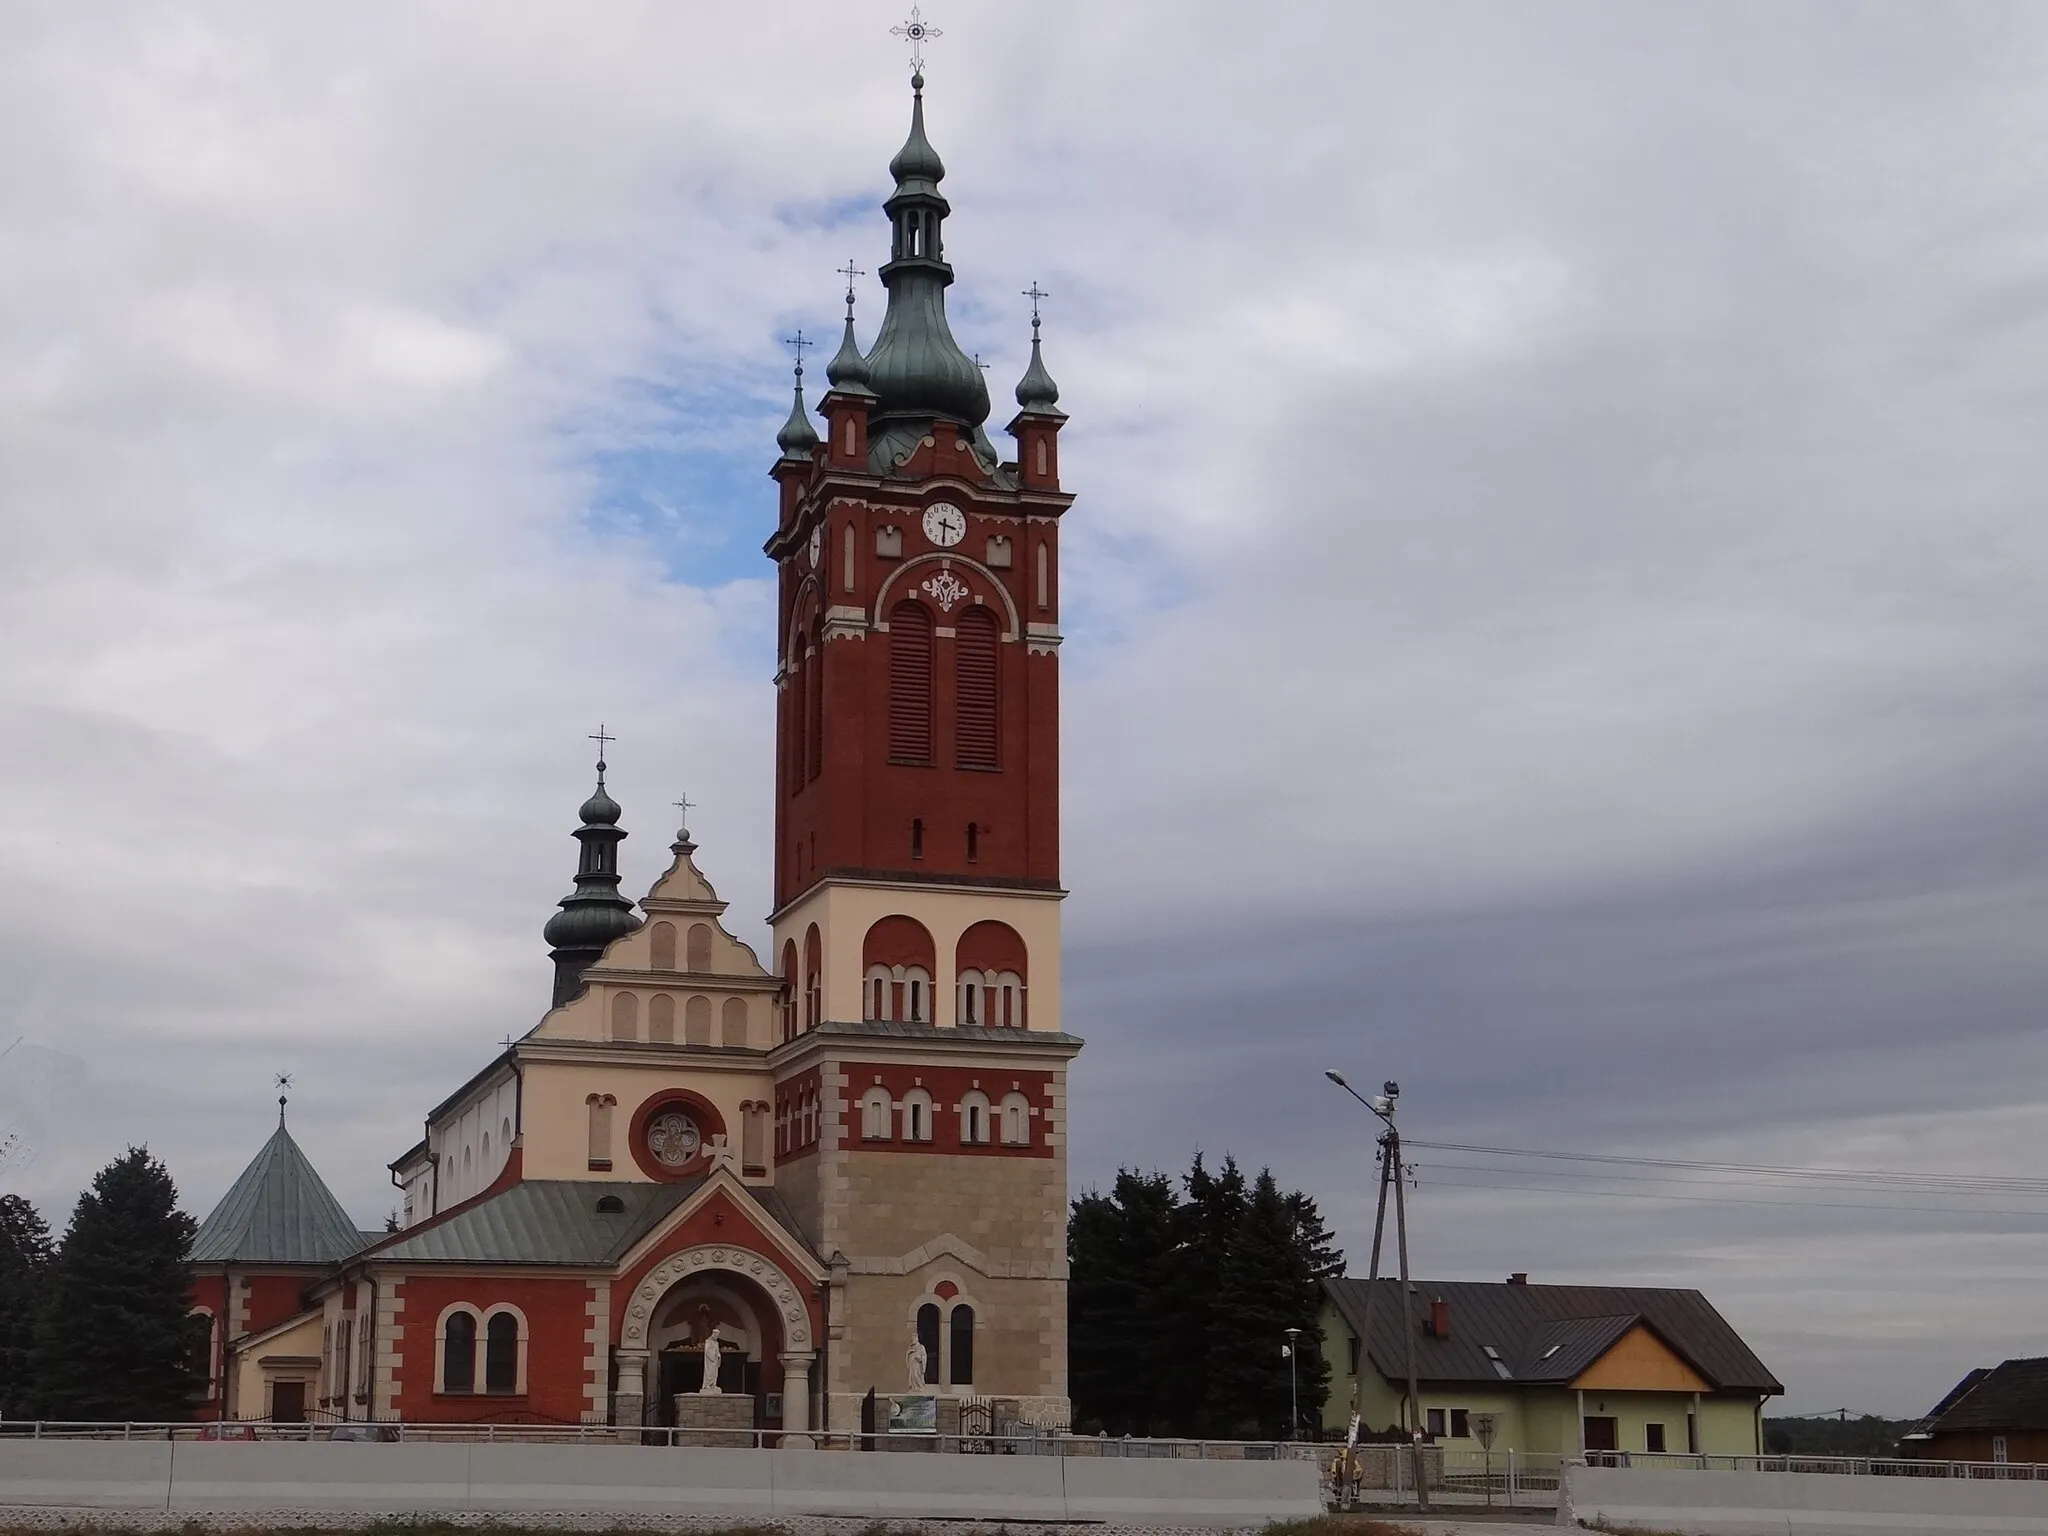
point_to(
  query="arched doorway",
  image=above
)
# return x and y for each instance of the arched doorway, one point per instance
(765, 1331)
(749, 1336)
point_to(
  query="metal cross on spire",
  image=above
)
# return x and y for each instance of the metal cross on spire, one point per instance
(602, 741)
(685, 805)
(1034, 293)
(850, 272)
(916, 32)
(799, 342)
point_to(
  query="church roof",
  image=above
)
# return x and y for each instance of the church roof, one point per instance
(557, 1221)
(278, 1212)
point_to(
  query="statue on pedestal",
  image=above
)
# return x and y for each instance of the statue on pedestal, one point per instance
(915, 1359)
(711, 1353)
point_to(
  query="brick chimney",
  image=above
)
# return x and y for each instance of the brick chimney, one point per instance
(1440, 1318)
(1519, 1277)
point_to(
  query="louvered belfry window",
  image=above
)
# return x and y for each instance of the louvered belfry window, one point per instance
(910, 684)
(975, 679)
(814, 698)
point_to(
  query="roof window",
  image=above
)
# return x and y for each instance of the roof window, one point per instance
(610, 1205)
(1500, 1366)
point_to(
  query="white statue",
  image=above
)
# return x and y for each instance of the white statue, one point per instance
(914, 1358)
(711, 1349)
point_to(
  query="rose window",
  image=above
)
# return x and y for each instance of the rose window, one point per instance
(673, 1138)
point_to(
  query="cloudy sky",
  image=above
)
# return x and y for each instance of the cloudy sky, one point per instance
(1557, 609)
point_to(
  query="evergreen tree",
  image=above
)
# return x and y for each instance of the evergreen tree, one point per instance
(26, 1255)
(1207, 1228)
(1120, 1250)
(114, 1342)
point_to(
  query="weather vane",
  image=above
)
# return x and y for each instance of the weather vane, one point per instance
(602, 741)
(284, 1085)
(1034, 293)
(850, 272)
(916, 32)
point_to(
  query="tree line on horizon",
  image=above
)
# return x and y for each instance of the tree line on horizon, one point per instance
(97, 1325)
(1180, 1295)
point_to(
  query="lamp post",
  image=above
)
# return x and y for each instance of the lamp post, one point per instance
(1293, 1391)
(1382, 1105)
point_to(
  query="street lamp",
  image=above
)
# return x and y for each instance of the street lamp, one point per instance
(1293, 1393)
(1382, 1105)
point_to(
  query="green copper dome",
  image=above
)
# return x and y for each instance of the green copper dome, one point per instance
(594, 913)
(916, 368)
(847, 373)
(797, 437)
(1036, 390)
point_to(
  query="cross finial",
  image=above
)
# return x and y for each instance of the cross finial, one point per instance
(602, 741)
(284, 1084)
(685, 805)
(916, 32)
(800, 343)
(1034, 293)
(850, 272)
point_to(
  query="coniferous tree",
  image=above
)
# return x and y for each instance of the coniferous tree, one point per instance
(114, 1342)
(1120, 1251)
(1208, 1223)
(26, 1255)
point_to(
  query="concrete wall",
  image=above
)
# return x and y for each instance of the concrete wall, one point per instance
(1774, 1503)
(156, 1483)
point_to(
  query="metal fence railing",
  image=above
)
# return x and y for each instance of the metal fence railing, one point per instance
(1841, 1466)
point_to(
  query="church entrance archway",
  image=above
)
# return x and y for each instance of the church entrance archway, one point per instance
(750, 1342)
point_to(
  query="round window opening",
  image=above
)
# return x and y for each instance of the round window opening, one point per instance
(673, 1138)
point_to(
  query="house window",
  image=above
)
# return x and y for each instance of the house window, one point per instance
(1998, 1451)
(458, 1353)
(501, 1353)
(1461, 1424)
(1692, 1433)
(1437, 1428)
(1653, 1439)
(961, 1371)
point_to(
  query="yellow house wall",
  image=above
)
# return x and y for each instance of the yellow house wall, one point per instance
(251, 1399)
(845, 912)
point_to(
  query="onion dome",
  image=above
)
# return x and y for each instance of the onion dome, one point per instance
(594, 913)
(796, 440)
(848, 371)
(1036, 391)
(916, 368)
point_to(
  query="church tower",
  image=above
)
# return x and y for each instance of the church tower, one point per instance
(917, 879)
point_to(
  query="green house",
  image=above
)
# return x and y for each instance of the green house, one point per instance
(1563, 1369)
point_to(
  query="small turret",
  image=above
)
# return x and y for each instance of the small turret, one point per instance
(594, 913)
(798, 438)
(1039, 417)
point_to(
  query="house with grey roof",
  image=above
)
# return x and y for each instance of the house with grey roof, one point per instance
(1565, 1369)
(1996, 1414)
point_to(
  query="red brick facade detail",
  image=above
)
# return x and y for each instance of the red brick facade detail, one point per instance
(799, 1117)
(949, 1087)
(557, 1355)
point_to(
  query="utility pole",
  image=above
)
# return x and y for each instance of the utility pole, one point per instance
(1382, 1104)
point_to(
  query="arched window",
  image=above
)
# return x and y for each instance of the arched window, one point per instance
(661, 946)
(874, 1114)
(199, 1346)
(458, 1353)
(917, 1115)
(1044, 571)
(974, 690)
(487, 1154)
(814, 978)
(897, 960)
(799, 714)
(697, 1021)
(789, 990)
(625, 1016)
(1041, 456)
(661, 1018)
(754, 1138)
(910, 684)
(846, 560)
(928, 1336)
(814, 695)
(974, 1119)
(917, 837)
(875, 1001)
(1016, 1120)
(501, 1353)
(962, 1361)
(735, 1021)
(916, 989)
(697, 950)
(992, 955)
(600, 1106)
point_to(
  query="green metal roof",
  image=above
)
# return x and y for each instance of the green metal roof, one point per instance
(556, 1221)
(278, 1212)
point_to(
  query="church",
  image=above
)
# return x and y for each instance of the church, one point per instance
(712, 1191)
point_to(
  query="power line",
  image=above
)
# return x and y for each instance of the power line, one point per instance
(1790, 1205)
(1908, 1183)
(1932, 1180)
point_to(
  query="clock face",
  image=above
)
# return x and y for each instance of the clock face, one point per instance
(944, 524)
(817, 543)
